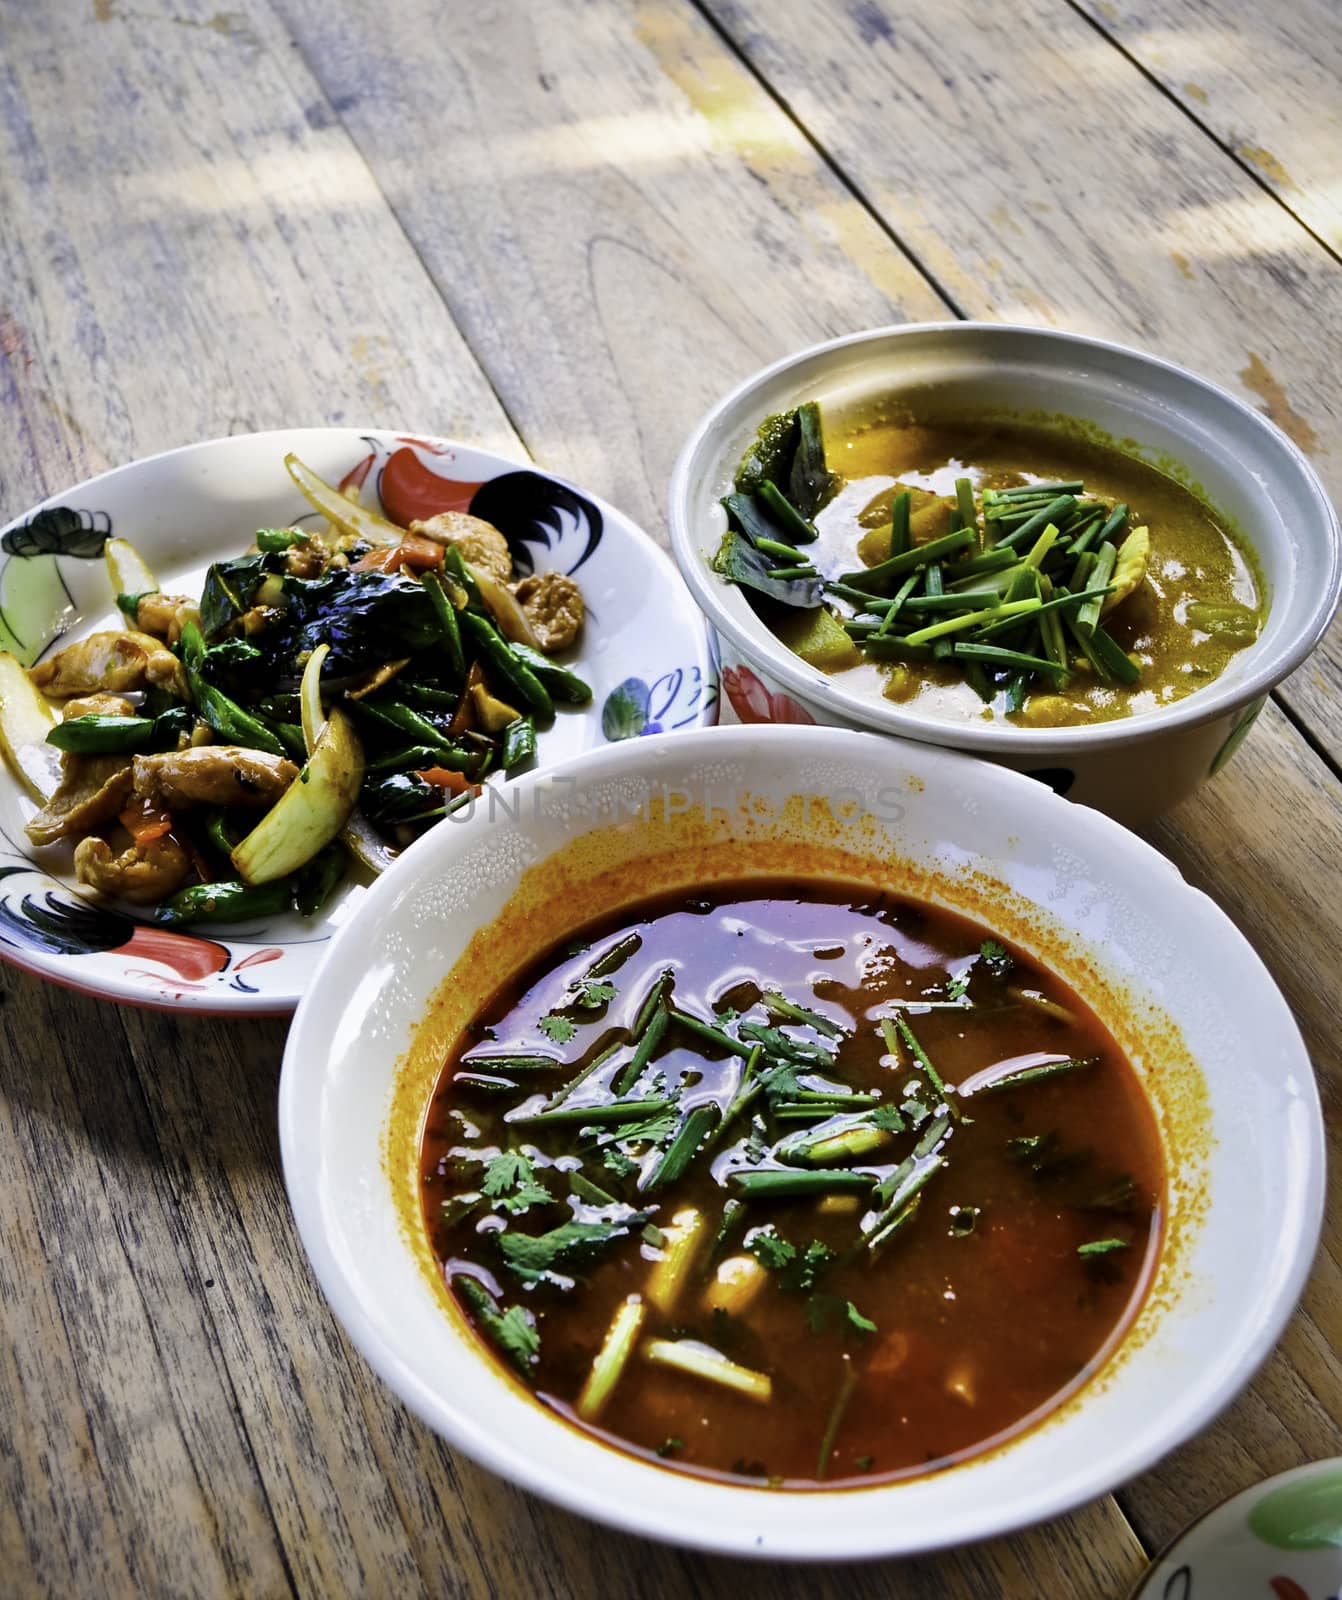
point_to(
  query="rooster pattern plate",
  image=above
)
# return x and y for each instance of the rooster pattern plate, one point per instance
(645, 651)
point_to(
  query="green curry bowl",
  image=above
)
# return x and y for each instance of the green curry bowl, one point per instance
(1069, 558)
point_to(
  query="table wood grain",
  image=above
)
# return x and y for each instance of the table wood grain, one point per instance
(561, 230)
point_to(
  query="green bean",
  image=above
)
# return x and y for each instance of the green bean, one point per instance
(224, 902)
(563, 685)
(315, 883)
(455, 563)
(95, 735)
(409, 758)
(519, 744)
(514, 673)
(447, 621)
(270, 540)
(221, 833)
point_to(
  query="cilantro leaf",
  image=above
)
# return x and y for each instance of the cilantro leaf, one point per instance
(536, 1258)
(831, 1313)
(995, 958)
(770, 1249)
(614, 1160)
(814, 1261)
(513, 1332)
(887, 1119)
(856, 1321)
(511, 1182)
(591, 993)
(781, 1081)
(560, 1029)
(798, 1270)
(958, 987)
(670, 1444)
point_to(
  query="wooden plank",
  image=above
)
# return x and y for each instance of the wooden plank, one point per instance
(1040, 177)
(118, 1427)
(196, 249)
(1263, 841)
(620, 219)
(1264, 79)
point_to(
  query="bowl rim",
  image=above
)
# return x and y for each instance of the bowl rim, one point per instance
(301, 1086)
(1203, 705)
(61, 968)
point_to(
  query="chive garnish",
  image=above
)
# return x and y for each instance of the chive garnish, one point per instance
(775, 1183)
(1040, 1074)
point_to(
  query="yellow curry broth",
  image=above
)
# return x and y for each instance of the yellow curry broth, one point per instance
(1193, 559)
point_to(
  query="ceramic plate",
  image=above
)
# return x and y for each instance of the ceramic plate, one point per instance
(645, 651)
(1279, 1540)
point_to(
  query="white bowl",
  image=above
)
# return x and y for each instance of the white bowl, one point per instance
(645, 651)
(1182, 991)
(1248, 470)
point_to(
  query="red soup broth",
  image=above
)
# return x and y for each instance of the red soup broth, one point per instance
(793, 1183)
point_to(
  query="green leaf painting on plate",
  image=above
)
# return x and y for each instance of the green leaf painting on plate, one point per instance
(35, 604)
(1303, 1515)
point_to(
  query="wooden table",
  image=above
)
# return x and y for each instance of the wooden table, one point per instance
(562, 229)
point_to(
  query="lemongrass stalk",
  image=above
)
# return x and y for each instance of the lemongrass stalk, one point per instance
(702, 1361)
(611, 1360)
(667, 1278)
(734, 1285)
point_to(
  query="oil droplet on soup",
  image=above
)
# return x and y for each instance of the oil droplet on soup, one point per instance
(793, 1183)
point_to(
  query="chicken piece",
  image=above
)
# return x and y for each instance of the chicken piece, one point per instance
(305, 560)
(212, 775)
(141, 874)
(93, 790)
(110, 661)
(165, 615)
(98, 705)
(481, 544)
(554, 608)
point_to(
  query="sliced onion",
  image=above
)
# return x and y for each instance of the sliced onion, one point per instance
(310, 697)
(513, 622)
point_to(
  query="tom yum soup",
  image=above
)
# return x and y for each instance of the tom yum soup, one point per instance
(986, 569)
(788, 1183)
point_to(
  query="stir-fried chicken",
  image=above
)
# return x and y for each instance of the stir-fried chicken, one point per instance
(110, 661)
(554, 608)
(165, 615)
(213, 775)
(481, 544)
(93, 790)
(143, 873)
